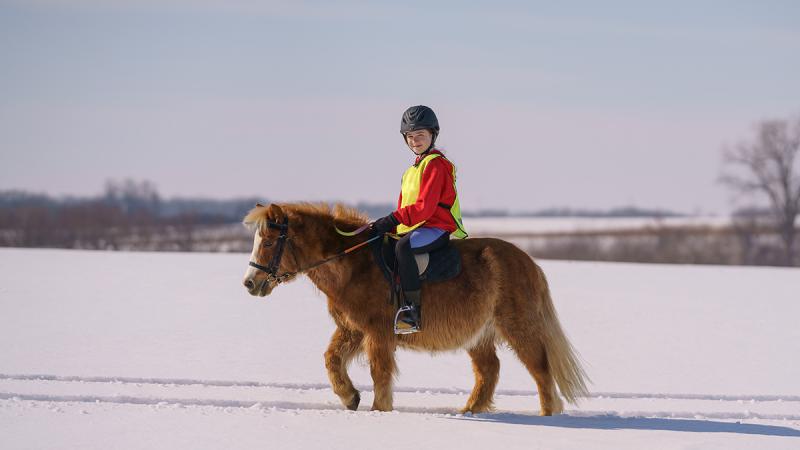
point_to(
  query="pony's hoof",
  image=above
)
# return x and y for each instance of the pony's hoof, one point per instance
(353, 405)
(476, 410)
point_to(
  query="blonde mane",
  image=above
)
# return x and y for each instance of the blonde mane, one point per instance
(340, 214)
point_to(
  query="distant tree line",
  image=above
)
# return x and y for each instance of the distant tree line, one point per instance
(128, 215)
(620, 212)
(749, 239)
(764, 174)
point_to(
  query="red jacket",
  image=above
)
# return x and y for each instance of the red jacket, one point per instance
(437, 187)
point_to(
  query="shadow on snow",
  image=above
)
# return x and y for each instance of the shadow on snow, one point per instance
(611, 422)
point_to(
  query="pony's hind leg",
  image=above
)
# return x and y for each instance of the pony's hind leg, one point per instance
(487, 368)
(531, 351)
(345, 344)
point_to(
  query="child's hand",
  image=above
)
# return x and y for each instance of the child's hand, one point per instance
(384, 224)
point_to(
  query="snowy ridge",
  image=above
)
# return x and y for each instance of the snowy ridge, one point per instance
(186, 402)
(155, 401)
(319, 397)
(286, 405)
(367, 388)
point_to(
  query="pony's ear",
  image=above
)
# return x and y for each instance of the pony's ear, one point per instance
(275, 212)
(259, 205)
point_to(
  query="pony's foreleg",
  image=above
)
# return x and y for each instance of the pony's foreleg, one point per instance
(487, 368)
(345, 344)
(380, 351)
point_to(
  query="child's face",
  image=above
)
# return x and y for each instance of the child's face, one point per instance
(419, 141)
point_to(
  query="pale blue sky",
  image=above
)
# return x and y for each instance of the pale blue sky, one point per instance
(582, 104)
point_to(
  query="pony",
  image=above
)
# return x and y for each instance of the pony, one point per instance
(500, 296)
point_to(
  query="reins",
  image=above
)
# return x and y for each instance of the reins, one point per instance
(272, 268)
(351, 233)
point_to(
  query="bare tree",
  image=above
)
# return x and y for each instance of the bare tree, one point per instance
(768, 165)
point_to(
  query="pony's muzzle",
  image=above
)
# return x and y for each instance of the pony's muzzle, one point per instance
(256, 288)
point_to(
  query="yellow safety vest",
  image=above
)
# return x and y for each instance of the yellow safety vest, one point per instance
(412, 179)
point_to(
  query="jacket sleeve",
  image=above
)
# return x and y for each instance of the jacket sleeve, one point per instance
(434, 179)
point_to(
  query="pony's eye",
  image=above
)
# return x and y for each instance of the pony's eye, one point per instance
(267, 244)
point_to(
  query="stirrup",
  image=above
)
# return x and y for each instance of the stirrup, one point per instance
(404, 328)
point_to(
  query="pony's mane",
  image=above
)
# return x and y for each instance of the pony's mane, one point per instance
(339, 213)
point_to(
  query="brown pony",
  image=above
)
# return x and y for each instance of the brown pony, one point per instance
(501, 295)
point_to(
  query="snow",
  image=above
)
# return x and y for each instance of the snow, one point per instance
(151, 350)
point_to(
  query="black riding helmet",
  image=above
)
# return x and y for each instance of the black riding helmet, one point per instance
(420, 117)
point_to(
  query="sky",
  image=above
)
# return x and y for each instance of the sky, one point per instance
(574, 104)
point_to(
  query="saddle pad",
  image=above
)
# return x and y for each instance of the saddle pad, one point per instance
(443, 263)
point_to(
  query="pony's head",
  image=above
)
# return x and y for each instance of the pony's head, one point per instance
(291, 236)
(270, 225)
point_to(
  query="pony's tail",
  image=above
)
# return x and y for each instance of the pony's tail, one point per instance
(562, 358)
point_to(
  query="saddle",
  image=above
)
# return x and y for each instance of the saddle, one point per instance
(441, 264)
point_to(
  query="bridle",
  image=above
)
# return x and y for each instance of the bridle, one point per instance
(271, 269)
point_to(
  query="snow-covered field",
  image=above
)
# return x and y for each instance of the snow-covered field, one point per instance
(148, 350)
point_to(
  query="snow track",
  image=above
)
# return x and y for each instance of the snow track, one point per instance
(318, 386)
(185, 392)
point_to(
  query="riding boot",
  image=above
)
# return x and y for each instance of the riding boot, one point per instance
(409, 318)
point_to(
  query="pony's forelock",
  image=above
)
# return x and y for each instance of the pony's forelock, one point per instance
(256, 219)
